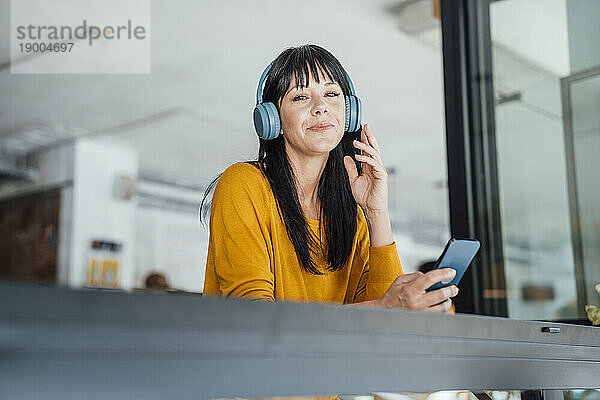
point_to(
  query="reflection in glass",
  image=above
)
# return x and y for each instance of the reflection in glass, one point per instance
(584, 103)
(452, 395)
(540, 274)
(582, 394)
(532, 53)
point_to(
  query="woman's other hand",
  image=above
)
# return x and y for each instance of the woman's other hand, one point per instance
(408, 291)
(370, 190)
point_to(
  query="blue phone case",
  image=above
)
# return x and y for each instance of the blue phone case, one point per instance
(457, 255)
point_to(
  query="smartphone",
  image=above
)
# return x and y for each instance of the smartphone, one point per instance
(457, 255)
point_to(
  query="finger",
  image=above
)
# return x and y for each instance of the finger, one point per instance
(367, 149)
(405, 278)
(371, 137)
(363, 136)
(350, 168)
(377, 166)
(440, 295)
(437, 275)
(442, 307)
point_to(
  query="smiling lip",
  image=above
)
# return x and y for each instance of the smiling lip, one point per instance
(320, 127)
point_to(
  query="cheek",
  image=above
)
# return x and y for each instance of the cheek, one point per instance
(297, 116)
(340, 109)
(287, 117)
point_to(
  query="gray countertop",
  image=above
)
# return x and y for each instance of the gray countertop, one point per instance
(73, 344)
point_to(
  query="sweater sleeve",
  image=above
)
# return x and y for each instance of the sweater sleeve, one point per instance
(239, 237)
(380, 267)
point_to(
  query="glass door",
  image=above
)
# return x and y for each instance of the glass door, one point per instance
(522, 95)
(547, 147)
(581, 105)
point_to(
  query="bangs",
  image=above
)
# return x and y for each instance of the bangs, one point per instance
(314, 67)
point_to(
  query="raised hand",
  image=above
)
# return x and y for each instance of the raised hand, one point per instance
(370, 190)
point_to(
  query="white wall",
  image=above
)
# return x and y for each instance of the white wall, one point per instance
(90, 210)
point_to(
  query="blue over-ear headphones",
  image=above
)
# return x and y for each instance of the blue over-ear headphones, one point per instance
(266, 118)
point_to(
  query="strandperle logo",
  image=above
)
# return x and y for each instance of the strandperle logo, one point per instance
(84, 31)
(80, 37)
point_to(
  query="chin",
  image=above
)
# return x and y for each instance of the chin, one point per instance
(326, 146)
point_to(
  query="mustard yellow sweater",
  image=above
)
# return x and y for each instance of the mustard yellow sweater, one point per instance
(250, 254)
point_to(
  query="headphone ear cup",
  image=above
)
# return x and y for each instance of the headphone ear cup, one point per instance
(266, 121)
(353, 113)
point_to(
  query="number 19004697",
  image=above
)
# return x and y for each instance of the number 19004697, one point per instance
(45, 47)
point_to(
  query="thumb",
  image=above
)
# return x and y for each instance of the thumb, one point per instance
(350, 168)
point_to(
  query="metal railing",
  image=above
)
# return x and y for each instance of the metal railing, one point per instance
(72, 344)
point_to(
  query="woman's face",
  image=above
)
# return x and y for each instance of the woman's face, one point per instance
(312, 118)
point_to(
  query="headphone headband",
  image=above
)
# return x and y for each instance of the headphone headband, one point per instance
(261, 81)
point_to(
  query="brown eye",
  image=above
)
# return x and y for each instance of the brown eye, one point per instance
(300, 97)
(333, 94)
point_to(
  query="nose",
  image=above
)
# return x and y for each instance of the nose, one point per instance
(319, 107)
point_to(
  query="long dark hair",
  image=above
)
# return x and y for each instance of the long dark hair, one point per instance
(338, 207)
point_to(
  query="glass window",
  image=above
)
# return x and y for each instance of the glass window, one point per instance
(546, 159)
(582, 102)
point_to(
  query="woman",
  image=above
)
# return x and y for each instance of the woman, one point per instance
(309, 221)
